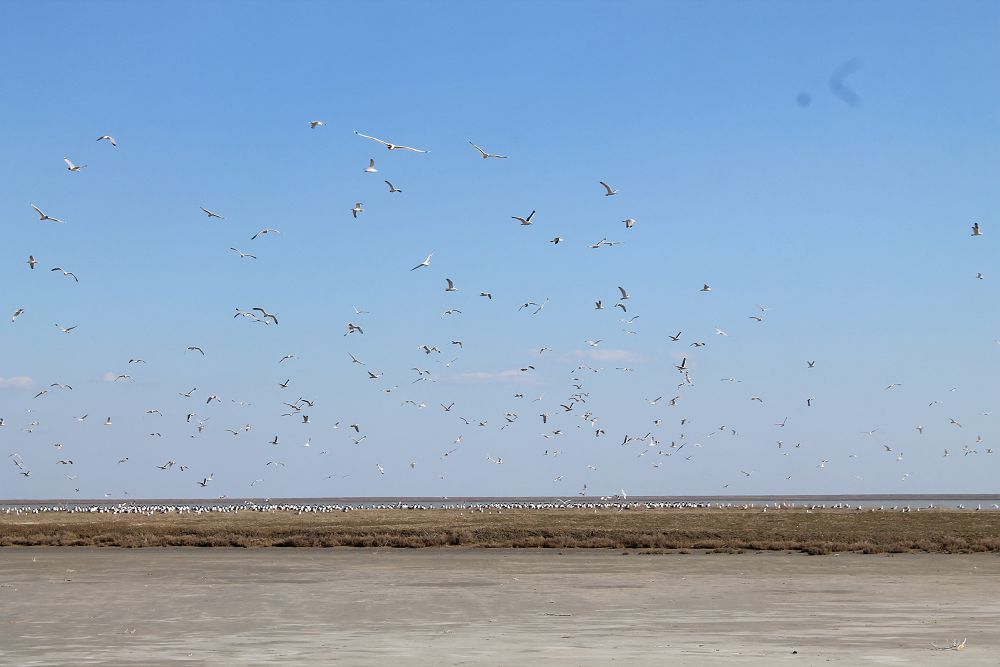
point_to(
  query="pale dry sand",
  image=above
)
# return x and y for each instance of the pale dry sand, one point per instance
(492, 607)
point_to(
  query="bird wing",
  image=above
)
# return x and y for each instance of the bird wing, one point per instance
(384, 143)
(606, 187)
(39, 211)
(624, 293)
(408, 148)
(485, 154)
(69, 163)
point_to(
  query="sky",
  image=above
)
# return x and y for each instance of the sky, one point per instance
(819, 165)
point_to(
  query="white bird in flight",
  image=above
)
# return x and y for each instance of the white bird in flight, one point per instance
(487, 155)
(390, 146)
(264, 231)
(313, 124)
(43, 217)
(610, 190)
(242, 254)
(524, 221)
(392, 188)
(358, 208)
(370, 169)
(108, 138)
(67, 273)
(73, 167)
(211, 214)
(426, 262)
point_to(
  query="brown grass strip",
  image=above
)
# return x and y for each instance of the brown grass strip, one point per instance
(723, 530)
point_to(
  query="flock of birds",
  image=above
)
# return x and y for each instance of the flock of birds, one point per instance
(574, 412)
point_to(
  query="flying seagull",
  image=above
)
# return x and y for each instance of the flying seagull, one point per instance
(195, 348)
(73, 167)
(32, 261)
(610, 190)
(975, 229)
(108, 138)
(370, 169)
(358, 208)
(313, 124)
(451, 286)
(388, 145)
(66, 329)
(426, 262)
(487, 155)
(211, 214)
(265, 314)
(67, 273)
(524, 221)
(392, 188)
(243, 255)
(264, 231)
(42, 216)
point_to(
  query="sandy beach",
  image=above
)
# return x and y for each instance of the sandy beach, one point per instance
(87, 606)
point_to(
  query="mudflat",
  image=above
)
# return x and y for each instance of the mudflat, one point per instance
(455, 606)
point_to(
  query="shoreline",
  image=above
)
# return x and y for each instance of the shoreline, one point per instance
(668, 530)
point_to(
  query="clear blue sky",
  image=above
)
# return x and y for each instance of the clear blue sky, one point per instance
(851, 223)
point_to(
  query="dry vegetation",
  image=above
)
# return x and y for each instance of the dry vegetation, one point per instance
(821, 532)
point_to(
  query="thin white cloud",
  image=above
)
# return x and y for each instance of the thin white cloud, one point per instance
(16, 382)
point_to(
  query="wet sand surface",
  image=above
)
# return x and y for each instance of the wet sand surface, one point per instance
(492, 607)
